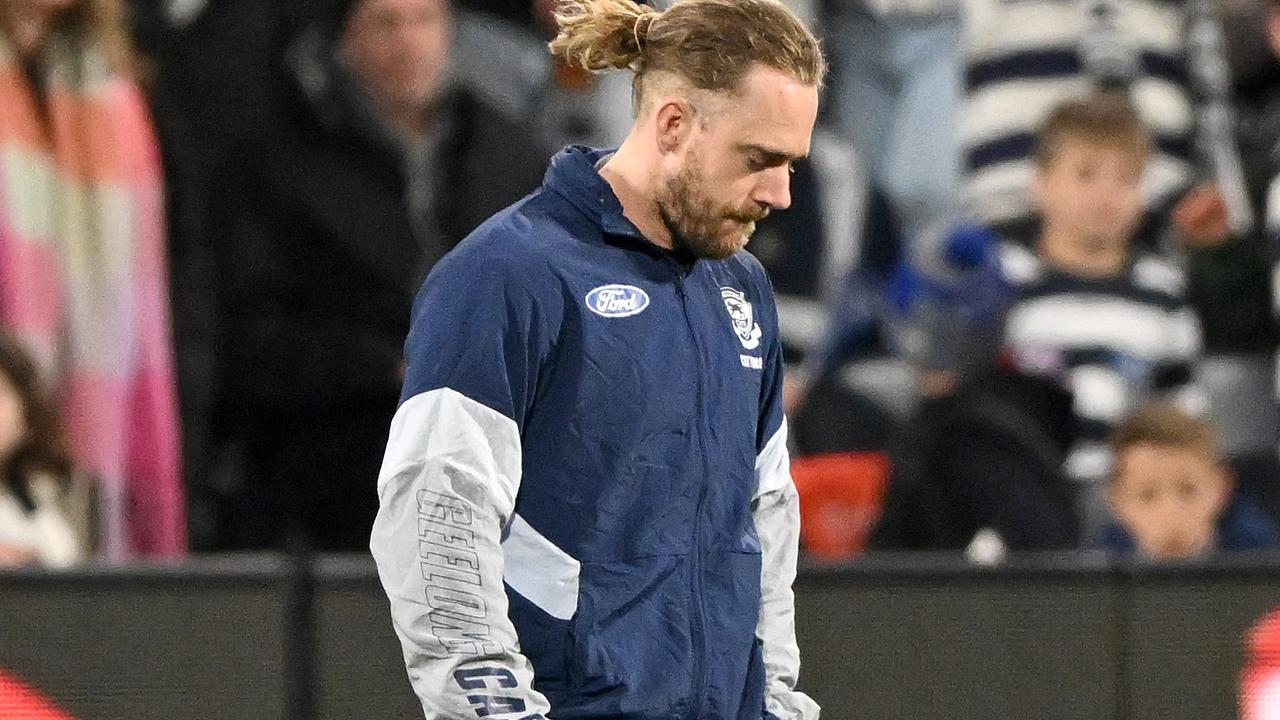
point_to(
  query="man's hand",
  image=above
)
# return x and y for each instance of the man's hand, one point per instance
(1201, 218)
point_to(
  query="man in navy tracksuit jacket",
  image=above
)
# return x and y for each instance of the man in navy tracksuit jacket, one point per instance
(586, 509)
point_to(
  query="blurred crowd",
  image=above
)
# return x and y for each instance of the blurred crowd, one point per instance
(1025, 283)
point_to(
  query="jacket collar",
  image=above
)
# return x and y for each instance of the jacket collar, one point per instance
(574, 176)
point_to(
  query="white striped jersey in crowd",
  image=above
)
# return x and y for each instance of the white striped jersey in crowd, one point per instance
(1024, 57)
(1118, 342)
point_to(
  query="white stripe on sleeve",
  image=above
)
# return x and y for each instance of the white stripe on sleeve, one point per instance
(776, 512)
(542, 573)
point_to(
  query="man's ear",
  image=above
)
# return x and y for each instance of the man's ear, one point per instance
(673, 123)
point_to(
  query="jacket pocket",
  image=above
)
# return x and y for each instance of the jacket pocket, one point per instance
(630, 649)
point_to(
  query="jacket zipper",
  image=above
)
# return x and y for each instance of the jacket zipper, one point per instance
(698, 631)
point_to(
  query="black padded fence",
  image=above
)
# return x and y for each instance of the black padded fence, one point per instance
(890, 637)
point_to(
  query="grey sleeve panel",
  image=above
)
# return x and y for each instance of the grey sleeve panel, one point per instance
(446, 491)
(776, 511)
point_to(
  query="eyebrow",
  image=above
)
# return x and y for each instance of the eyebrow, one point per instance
(770, 155)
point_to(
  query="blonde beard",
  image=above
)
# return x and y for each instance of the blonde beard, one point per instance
(695, 228)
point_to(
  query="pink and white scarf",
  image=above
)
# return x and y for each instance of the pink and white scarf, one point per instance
(83, 282)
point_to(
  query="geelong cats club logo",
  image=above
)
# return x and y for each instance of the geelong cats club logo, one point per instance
(744, 324)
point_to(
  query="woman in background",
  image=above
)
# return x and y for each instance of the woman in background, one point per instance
(37, 501)
(82, 258)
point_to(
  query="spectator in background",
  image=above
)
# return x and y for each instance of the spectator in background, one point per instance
(524, 12)
(1113, 319)
(377, 166)
(1227, 255)
(1252, 31)
(983, 458)
(939, 308)
(82, 256)
(895, 93)
(1269, 491)
(1172, 495)
(42, 521)
(985, 447)
(1022, 59)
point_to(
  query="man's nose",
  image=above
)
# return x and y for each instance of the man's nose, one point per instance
(775, 189)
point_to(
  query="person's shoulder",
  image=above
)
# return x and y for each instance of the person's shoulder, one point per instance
(747, 268)
(1019, 265)
(1116, 540)
(745, 261)
(507, 240)
(1245, 526)
(522, 241)
(1155, 274)
(1157, 281)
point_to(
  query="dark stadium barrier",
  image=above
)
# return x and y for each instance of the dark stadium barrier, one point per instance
(360, 670)
(1183, 637)
(928, 639)
(886, 638)
(206, 640)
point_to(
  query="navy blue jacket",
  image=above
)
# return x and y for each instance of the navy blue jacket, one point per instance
(585, 506)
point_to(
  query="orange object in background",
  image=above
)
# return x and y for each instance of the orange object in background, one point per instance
(19, 701)
(841, 495)
(1260, 681)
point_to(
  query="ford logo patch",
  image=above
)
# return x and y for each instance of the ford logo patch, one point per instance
(615, 301)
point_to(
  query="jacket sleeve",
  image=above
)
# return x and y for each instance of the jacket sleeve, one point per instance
(447, 491)
(776, 511)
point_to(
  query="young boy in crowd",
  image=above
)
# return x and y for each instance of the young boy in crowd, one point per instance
(1171, 493)
(1114, 322)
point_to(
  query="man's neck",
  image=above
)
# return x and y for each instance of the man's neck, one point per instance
(632, 181)
(1080, 257)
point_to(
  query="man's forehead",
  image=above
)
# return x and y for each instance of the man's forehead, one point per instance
(774, 112)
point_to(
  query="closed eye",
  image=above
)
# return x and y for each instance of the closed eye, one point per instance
(759, 158)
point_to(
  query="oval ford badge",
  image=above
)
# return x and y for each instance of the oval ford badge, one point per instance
(615, 301)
